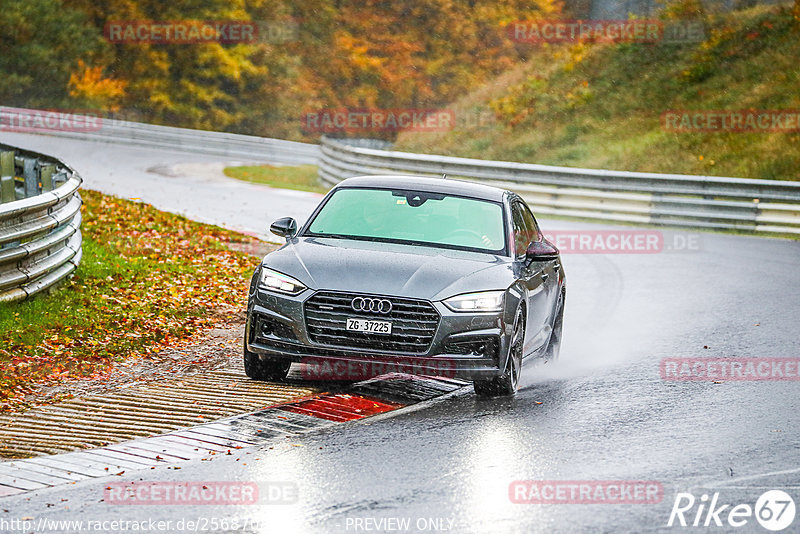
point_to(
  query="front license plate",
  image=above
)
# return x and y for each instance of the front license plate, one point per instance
(369, 326)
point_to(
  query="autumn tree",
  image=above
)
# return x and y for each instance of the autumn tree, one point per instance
(41, 44)
(345, 53)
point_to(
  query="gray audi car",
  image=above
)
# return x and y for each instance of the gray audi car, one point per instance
(427, 276)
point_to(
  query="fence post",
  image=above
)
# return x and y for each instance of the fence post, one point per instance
(46, 177)
(31, 177)
(7, 193)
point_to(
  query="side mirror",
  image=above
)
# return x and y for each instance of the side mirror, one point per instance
(285, 227)
(542, 250)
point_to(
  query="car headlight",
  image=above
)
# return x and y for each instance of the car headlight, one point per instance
(486, 301)
(275, 281)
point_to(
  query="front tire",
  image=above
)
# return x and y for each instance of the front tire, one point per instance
(258, 369)
(507, 383)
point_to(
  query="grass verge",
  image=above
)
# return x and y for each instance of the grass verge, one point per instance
(601, 105)
(148, 280)
(300, 177)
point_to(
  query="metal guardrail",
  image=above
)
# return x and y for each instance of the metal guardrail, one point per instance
(154, 136)
(634, 197)
(618, 196)
(40, 238)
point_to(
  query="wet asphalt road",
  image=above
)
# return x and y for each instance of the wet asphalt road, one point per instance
(187, 183)
(601, 412)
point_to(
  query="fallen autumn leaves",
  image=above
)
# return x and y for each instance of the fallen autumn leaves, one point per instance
(148, 280)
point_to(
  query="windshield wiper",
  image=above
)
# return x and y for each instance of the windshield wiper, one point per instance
(346, 236)
(334, 236)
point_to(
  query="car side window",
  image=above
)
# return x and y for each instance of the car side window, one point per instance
(535, 234)
(521, 230)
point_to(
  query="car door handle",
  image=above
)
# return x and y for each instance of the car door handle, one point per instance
(545, 276)
(557, 266)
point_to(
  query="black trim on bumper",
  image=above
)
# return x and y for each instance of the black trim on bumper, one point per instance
(445, 365)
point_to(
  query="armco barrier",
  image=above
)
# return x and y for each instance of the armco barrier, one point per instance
(661, 199)
(40, 238)
(617, 196)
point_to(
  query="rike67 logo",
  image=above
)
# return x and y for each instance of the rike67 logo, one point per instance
(774, 510)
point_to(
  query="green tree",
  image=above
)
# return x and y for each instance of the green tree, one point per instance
(41, 44)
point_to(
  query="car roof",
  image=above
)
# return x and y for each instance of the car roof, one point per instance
(428, 185)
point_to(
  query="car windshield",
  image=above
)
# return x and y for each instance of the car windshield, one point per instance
(412, 217)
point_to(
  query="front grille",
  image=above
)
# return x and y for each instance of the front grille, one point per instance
(414, 323)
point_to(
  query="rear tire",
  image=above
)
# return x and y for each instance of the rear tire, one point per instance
(258, 369)
(507, 383)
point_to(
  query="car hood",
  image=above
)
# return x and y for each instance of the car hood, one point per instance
(389, 269)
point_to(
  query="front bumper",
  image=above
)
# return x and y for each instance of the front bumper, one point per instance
(465, 346)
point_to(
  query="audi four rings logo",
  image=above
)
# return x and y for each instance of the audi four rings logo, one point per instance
(371, 305)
